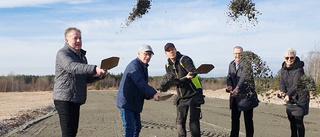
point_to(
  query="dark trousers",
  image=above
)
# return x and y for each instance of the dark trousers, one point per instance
(69, 117)
(296, 125)
(194, 120)
(235, 121)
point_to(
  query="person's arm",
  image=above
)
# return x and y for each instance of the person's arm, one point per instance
(68, 63)
(99, 75)
(295, 79)
(187, 63)
(282, 85)
(189, 66)
(137, 76)
(229, 79)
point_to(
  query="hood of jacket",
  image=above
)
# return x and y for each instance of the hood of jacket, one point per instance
(296, 64)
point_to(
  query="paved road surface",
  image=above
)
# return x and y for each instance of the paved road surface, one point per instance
(100, 118)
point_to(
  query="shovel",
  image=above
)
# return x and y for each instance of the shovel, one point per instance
(109, 63)
(164, 96)
(205, 68)
(202, 69)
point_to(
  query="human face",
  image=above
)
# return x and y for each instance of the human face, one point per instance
(74, 40)
(145, 57)
(171, 52)
(289, 59)
(237, 54)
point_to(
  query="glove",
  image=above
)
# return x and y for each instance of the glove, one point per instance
(177, 81)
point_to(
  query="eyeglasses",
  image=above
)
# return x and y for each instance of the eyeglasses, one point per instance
(289, 58)
(147, 54)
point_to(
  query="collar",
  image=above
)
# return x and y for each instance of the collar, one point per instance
(147, 65)
(296, 64)
(82, 52)
(178, 57)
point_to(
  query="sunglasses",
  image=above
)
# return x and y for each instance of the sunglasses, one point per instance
(289, 58)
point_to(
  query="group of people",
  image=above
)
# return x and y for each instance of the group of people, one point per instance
(72, 74)
(238, 84)
(134, 89)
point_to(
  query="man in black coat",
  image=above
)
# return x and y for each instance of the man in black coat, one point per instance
(240, 84)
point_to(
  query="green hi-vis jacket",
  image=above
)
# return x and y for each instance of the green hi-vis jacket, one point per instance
(186, 88)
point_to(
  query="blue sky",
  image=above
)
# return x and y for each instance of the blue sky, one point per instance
(31, 32)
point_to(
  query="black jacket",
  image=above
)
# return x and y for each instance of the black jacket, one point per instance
(241, 77)
(186, 88)
(289, 78)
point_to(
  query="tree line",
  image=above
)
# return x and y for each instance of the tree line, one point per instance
(21, 83)
(32, 83)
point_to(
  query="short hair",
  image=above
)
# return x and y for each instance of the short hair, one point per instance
(290, 50)
(66, 33)
(238, 47)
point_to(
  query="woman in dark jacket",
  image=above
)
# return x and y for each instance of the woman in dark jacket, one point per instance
(296, 98)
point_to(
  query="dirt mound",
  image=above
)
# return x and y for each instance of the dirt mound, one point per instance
(23, 117)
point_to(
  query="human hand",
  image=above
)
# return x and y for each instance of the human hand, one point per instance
(100, 71)
(190, 75)
(286, 98)
(155, 97)
(282, 94)
(235, 91)
(228, 89)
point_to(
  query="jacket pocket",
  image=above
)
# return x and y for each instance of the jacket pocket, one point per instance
(198, 99)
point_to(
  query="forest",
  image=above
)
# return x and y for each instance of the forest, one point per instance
(32, 83)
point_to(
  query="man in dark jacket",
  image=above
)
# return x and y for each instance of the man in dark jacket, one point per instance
(71, 77)
(297, 98)
(133, 89)
(238, 84)
(189, 90)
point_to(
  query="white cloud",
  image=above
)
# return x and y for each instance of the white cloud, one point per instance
(199, 29)
(36, 3)
(25, 3)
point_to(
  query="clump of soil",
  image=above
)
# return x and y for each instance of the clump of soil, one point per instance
(244, 8)
(306, 84)
(166, 82)
(259, 66)
(138, 10)
(255, 67)
(21, 118)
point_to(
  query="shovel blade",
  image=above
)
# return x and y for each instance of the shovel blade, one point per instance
(109, 63)
(164, 96)
(205, 68)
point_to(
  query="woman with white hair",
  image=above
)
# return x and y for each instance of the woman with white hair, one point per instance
(297, 99)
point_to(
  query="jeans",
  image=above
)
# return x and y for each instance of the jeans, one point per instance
(131, 122)
(69, 117)
(194, 120)
(235, 121)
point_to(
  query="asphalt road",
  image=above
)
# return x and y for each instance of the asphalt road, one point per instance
(99, 117)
